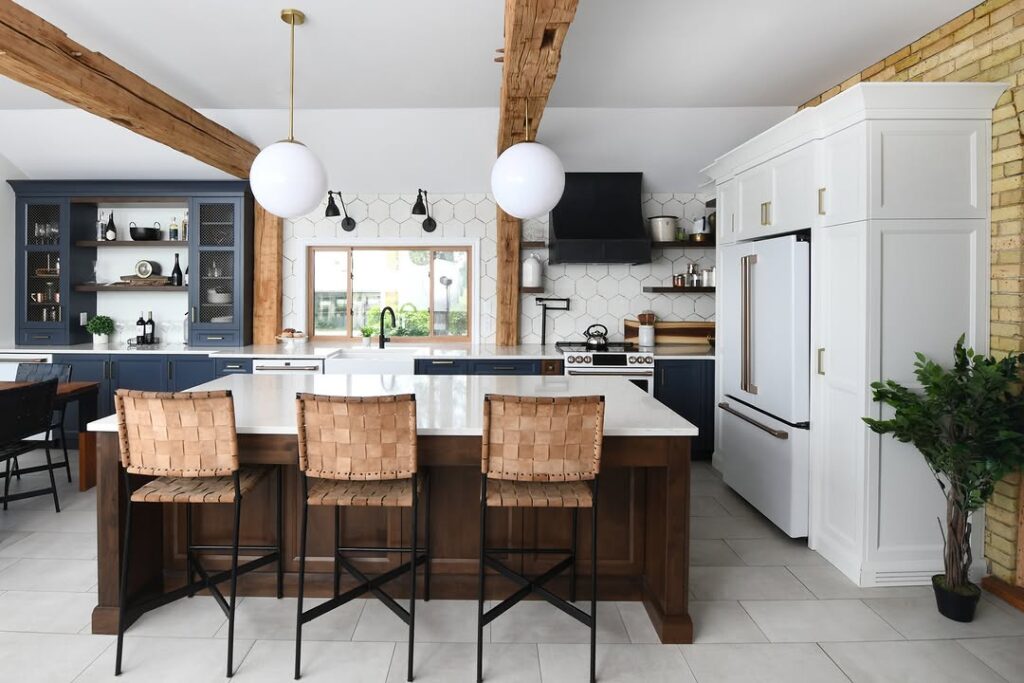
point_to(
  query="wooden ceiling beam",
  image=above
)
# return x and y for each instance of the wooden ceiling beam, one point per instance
(41, 56)
(534, 33)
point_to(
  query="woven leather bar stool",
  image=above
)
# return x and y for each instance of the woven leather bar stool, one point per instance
(361, 452)
(540, 452)
(188, 442)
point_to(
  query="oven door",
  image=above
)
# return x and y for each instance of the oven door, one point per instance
(641, 378)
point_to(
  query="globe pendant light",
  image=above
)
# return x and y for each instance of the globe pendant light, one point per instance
(286, 178)
(528, 178)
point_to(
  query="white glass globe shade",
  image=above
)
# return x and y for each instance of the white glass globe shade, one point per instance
(287, 179)
(527, 180)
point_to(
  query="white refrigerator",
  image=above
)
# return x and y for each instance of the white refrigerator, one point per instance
(764, 406)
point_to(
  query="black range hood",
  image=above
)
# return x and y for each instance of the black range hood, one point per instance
(599, 220)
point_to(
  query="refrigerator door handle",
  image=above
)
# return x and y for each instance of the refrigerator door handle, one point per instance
(746, 321)
(777, 433)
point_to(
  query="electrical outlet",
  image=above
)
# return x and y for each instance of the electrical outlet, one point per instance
(83, 318)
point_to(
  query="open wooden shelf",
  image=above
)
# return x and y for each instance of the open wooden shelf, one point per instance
(709, 244)
(679, 290)
(531, 290)
(128, 288)
(133, 243)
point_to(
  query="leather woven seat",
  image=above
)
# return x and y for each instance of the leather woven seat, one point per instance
(199, 489)
(385, 493)
(531, 494)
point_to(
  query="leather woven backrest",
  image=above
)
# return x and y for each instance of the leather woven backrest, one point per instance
(26, 410)
(177, 435)
(357, 438)
(529, 438)
(40, 372)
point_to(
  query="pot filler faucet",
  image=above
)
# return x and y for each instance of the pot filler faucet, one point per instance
(386, 309)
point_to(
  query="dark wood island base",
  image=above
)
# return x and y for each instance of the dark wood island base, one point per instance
(643, 530)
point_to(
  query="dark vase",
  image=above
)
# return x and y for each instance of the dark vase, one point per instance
(953, 605)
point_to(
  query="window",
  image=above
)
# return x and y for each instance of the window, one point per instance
(428, 288)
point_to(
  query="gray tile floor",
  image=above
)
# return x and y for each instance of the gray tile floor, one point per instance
(765, 609)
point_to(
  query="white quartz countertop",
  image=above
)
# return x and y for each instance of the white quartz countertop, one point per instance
(446, 405)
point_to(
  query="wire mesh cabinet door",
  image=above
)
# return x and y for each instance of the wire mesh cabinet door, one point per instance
(43, 283)
(216, 271)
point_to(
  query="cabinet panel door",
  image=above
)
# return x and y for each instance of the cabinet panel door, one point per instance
(87, 368)
(687, 387)
(794, 202)
(190, 371)
(216, 269)
(42, 267)
(441, 366)
(754, 189)
(844, 176)
(726, 209)
(143, 373)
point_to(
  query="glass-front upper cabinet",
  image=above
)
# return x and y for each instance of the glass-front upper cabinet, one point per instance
(217, 290)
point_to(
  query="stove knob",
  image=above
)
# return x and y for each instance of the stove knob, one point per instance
(586, 359)
(648, 360)
(570, 360)
(632, 360)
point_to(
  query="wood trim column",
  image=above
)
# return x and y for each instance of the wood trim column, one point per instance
(268, 248)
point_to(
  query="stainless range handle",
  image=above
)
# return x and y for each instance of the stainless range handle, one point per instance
(746, 323)
(306, 368)
(613, 373)
(777, 433)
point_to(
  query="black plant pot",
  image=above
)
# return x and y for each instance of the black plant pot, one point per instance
(953, 605)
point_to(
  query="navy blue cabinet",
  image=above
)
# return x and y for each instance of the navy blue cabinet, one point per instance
(146, 372)
(185, 372)
(87, 368)
(505, 367)
(688, 387)
(442, 366)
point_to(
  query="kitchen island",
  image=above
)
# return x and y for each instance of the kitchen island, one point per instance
(643, 511)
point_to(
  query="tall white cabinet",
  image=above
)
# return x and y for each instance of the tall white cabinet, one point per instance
(891, 180)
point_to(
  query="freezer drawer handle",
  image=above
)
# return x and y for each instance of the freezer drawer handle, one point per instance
(777, 433)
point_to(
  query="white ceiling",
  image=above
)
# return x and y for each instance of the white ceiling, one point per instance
(225, 54)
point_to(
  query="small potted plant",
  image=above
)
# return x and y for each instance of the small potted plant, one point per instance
(367, 331)
(100, 327)
(968, 423)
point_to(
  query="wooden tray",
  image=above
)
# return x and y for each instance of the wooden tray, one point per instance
(673, 332)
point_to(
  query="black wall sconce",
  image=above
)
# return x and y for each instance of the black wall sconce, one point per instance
(348, 224)
(422, 208)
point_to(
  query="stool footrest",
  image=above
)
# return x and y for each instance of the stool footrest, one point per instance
(536, 585)
(368, 585)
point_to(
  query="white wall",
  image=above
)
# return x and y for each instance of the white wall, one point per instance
(8, 171)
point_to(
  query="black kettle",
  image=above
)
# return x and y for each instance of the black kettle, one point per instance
(597, 337)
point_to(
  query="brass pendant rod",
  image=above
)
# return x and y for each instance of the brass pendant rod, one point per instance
(291, 85)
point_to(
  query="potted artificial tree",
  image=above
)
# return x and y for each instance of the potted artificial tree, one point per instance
(968, 423)
(100, 327)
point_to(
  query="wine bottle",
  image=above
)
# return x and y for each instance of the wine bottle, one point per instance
(186, 276)
(111, 232)
(176, 273)
(150, 329)
(140, 329)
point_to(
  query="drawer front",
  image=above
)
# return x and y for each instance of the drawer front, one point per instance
(233, 366)
(442, 366)
(505, 367)
(216, 339)
(43, 338)
(552, 366)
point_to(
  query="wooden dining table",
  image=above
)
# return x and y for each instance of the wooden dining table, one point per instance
(86, 394)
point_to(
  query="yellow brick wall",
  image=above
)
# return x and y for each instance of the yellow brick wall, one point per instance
(983, 44)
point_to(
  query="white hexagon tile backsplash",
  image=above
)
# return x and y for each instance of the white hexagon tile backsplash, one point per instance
(603, 294)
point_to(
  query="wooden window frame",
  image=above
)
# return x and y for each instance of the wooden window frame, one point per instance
(350, 250)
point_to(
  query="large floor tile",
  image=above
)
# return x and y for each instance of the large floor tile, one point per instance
(909, 662)
(736, 506)
(437, 621)
(172, 660)
(445, 662)
(273, 661)
(761, 663)
(56, 546)
(706, 506)
(1004, 655)
(746, 583)
(704, 472)
(535, 621)
(614, 663)
(45, 612)
(75, 576)
(828, 583)
(775, 551)
(272, 619)
(713, 553)
(74, 521)
(638, 623)
(198, 617)
(723, 621)
(48, 658)
(822, 621)
(918, 619)
(731, 527)
(8, 538)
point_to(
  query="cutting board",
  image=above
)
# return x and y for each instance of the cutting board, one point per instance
(673, 332)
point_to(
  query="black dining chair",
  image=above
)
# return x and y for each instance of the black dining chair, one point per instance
(24, 412)
(40, 372)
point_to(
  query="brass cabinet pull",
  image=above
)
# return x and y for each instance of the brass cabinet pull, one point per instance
(821, 201)
(767, 213)
(193, 314)
(232, 366)
(213, 338)
(762, 213)
(777, 433)
(821, 361)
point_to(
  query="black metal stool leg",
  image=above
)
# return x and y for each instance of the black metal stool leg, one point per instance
(337, 544)
(426, 569)
(572, 545)
(302, 574)
(412, 574)
(188, 550)
(53, 484)
(122, 607)
(234, 578)
(17, 470)
(280, 531)
(7, 481)
(593, 586)
(480, 578)
(64, 446)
